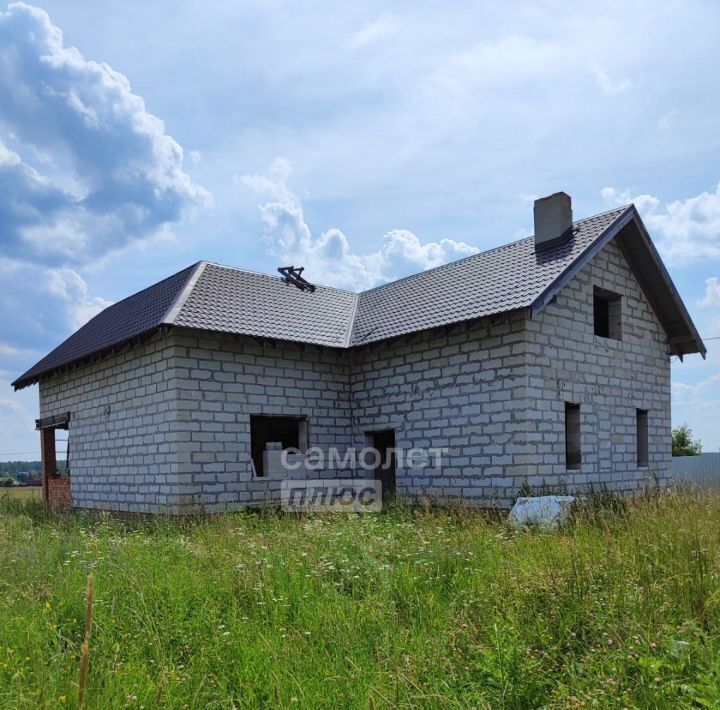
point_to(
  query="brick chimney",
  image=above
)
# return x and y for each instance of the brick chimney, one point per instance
(553, 218)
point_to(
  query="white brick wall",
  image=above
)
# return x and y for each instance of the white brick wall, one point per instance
(220, 381)
(121, 457)
(463, 390)
(165, 427)
(610, 379)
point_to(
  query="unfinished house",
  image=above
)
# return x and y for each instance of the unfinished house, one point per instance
(544, 362)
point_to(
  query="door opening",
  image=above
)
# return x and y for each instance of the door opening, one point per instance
(384, 443)
(57, 491)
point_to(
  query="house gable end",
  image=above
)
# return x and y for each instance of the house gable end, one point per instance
(632, 239)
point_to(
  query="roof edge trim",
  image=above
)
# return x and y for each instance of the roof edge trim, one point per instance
(677, 300)
(581, 261)
(182, 297)
(22, 382)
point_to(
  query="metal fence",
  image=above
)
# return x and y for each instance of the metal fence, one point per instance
(702, 470)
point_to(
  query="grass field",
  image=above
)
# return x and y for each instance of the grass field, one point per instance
(407, 608)
(21, 493)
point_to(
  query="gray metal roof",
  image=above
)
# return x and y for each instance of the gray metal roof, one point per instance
(516, 276)
(116, 325)
(244, 302)
(503, 279)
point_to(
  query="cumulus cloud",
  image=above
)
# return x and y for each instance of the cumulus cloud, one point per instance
(90, 170)
(18, 412)
(85, 171)
(685, 230)
(70, 288)
(712, 292)
(330, 257)
(54, 301)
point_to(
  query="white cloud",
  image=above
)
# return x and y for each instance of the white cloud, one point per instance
(685, 230)
(71, 288)
(372, 32)
(274, 184)
(712, 292)
(608, 85)
(53, 301)
(86, 172)
(329, 258)
(113, 175)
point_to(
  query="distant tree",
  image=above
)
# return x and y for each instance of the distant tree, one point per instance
(6, 481)
(683, 443)
(13, 467)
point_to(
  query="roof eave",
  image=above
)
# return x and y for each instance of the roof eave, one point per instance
(38, 372)
(26, 381)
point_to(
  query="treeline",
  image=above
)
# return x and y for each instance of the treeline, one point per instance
(24, 471)
(13, 467)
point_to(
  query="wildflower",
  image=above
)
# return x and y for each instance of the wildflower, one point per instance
(62, 698)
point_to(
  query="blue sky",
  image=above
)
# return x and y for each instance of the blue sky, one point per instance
(366, 140)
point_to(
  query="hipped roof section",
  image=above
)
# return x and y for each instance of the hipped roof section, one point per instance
(512, 277)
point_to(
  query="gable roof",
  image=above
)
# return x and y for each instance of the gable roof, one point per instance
(515, 276)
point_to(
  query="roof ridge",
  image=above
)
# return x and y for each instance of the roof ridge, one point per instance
(276, 278)
(417, 273)
(507, 245)
(142, 290)
(443, 266)
(619, 208)
(184, 293)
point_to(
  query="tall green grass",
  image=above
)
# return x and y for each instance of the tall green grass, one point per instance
(408, 608)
